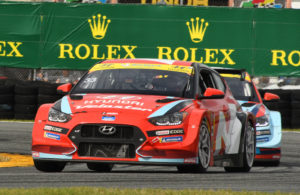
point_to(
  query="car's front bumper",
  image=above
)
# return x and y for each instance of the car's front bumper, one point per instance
(71, 144)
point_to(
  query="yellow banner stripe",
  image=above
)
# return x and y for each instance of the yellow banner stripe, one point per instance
(174, 68)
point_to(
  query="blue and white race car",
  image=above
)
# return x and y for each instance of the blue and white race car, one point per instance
(268, 122)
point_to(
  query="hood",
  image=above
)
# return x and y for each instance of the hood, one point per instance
(139, 105)
(257, 109)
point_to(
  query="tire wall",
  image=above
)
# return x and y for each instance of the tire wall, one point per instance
(288, 106)
(21, 99)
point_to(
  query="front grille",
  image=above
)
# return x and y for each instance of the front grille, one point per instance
(107, 150)
(115, 141)
(94, 131)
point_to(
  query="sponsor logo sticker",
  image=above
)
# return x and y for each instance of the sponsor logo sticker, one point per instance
(108, 118)
(265, 139)
(165, 132)
(52, 136)
(171, 139)
(55, 129)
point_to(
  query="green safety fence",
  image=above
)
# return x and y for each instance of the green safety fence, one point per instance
(266, 42)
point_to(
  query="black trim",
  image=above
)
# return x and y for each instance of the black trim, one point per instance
(179, 107)
(91, 142)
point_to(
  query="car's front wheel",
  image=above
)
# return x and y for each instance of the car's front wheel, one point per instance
(249, 151)
(100, 167)
(49, 166)
(204, 154)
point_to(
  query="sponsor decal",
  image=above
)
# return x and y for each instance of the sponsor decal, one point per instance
(263, 132)
(52, 136)
(114, 101)
(99, 26)
(171, 139)
(165, 132)
(108, 118)
(264, 139)
(10, 49)
(191, 160)
(56, 129)
(197, 31)
(113, 106)
(110, 113)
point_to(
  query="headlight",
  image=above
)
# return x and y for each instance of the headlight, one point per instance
(57, 116)
(262, 121)
(169, 119)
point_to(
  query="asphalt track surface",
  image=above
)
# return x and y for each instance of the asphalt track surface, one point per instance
(16, 138)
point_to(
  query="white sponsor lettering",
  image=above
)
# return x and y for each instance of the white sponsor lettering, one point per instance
(113, 106)
(165, 132)
(126, 102)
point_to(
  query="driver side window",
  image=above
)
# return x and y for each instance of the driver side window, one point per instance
(206, 80)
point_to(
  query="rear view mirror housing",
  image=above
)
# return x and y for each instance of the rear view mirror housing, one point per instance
(211, 93)
(64, 89)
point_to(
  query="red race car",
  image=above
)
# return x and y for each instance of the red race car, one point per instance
(145, 111)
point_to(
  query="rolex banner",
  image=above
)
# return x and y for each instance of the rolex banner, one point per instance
(76, 36)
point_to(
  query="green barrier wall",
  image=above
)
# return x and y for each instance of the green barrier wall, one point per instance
(60, 36)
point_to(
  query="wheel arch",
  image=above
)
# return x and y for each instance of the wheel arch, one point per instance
(245, 118)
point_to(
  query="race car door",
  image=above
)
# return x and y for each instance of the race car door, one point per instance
(220, 114)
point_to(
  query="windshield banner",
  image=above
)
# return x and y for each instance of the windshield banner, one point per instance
(175, 68)
(76, 36)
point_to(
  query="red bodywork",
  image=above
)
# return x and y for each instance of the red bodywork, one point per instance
(55, 141)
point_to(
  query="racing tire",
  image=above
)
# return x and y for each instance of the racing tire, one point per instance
(28, 89)
(204, 152)
(6, 115)
(44, 99)
(50, 89)
(49, 166)
(249, 151)
(25, 109)
(25, 99)
(6, 89)
(100, 167)
(6, 107)
(6, 99)
(24, 116)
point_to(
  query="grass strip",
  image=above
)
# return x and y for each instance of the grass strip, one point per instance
(117, 191)
(298, 130)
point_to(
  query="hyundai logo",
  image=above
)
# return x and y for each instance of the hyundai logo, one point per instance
(107, 130)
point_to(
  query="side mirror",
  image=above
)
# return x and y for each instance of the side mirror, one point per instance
(271, 96)
(211, 93)
(64, 89)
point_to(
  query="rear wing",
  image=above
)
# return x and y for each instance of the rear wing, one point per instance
(243, 75)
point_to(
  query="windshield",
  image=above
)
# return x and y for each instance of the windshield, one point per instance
(137, 79)
(241, 90)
